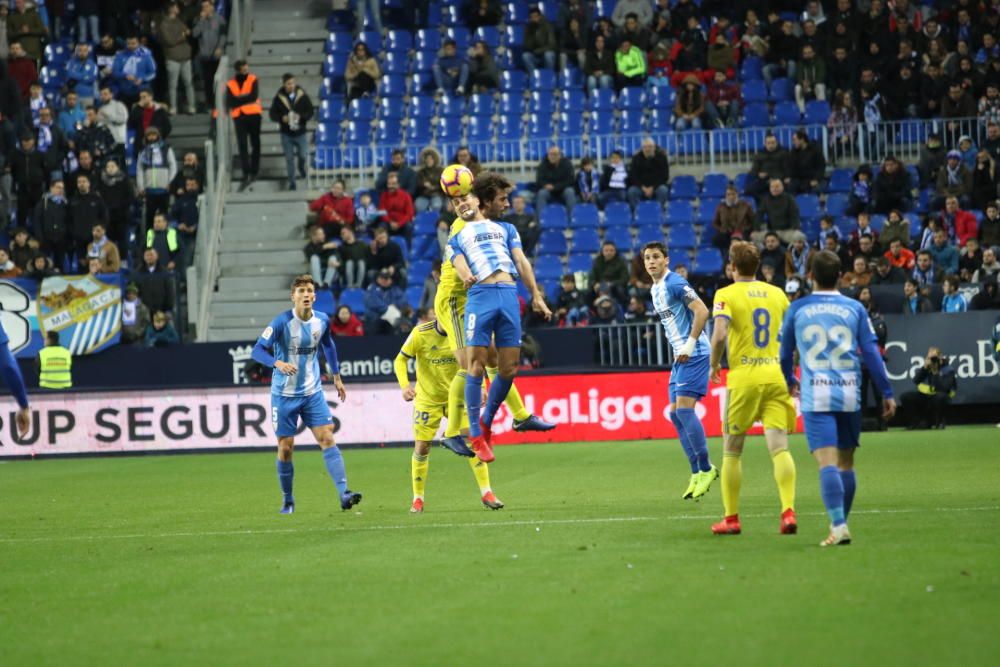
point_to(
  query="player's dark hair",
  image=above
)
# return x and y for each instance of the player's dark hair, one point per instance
(745, 258)
(654, 245)
(825, 269)
(304, 279)
(488, 186)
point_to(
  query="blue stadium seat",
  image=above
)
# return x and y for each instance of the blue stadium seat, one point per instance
(782, 90)
(602, 99)
(423, 61)
(714, 186)
(339, 42)
(395, 63)
(754, 92)
(391, 108)
(649, 234)
(841, 180)
(392, 85)
(543, 79)
(551, 243)
(511, 104)
(401, 242)
(572, 101)
(648, 213)
(836, 204)
(706, 211)
(373, 40)
(418, 131)
(510, 127)
(571, 78)
(548, 267)
(579, 261)
(602, 123)
(425, 223)
(617, 214)
(331, 110)
(741, 183)
(513, 81)
(817, 112)
(452, 106)
(756, 115)
(489, 34)
(428, 40)
(481, 104)
(585, 216)
(661, 120)
(540, 127)
(631, 98)
(707, 262)
(679, 211)
(480, 128)
(512, 38)
(878, 222)
(550, 10)
(353, 298)
(661, 97)
(631, 122)
(752, 69)
(421, 83)
(542, 101)
(461, 35)
(811, 229)
(398, 41)
(358, 133)
(422, 106)
(361, 109)
(413, 294)
(418, 271)
(808, 206)
(449, 129)
(621, 237)
(324, 302)
(682, 237)
(516, 12)
(585, 240)
(571, 124)
(684, 187)
(787, 113)
(326, 135)
(389, 132)
(553, 216)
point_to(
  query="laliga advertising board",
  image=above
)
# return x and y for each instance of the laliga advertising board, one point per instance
(612, 406)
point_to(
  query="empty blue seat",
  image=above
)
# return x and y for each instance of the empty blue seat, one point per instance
(512, 38)
(452, 15)
(679, 211)
(331, 110)
(428, 40)
(572, 101)
(782, 90)
(389, 132)
(449, 129)
(425, 223)
(398, 41)
(841, 180)
(662, 97)
(817, 112)
(649, 234)
(418, 131)
(756, 115)
(452, 106)
(754, 92)
(787, 113)
(423, 61)
(418, 271)
(421, 82)
(631, 122)
(422, 106)
(548, 267)
(550, 10)
(811, 229)
(585, 216)
(516, 12)
(510, 127)
(511, 103)
(391, 108)
(339, 42)
(617, 214)
(836, 204)
(684, 187)
(706, 211)
(579, 262)
(373, 40)
(602, 99)
(326, 135)
(489, 34)
(585, 240)
(620, 236)
(513, 81)
(571, 124)
(631, 98)
(707, 262)
(602, 122)
(648, 213)
(551, 243)
(358, 132)
(413, 294)
(396, 63)
(808, 206)
(553, 216)
(353, 298)
(682, 237)
(392, 85)
(542, 101)
(480, 128)
(571, 78)
(540, 127)
(752, 69)
(660, 120)
(481, 104)
(543, 79)
(461, 35)
(714, 186)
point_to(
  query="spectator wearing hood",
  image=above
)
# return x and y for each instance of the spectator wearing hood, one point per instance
(953, 180)
(156, 166)
(932, 159)
(892, 187)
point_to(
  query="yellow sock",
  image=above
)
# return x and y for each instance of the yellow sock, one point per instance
(513, 400)
(732, 479)
(482, 473)
(418, 473)
(456, 404)
(784, 475)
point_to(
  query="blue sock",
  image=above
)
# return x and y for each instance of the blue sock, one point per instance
(850, 482)
(335, 466)
(682, 434)
(696, 437)
(286, 473)
(832, 489)
(499, 388)
(474, 403)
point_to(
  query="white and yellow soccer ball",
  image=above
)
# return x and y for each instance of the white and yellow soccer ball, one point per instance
(456, 180)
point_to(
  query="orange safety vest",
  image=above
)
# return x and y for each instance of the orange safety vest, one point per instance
(252, 109)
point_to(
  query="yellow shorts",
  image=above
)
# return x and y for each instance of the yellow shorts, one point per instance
(450, 312)
(768, 403)
(427, 418)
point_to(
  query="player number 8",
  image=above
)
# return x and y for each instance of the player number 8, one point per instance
(761, 327)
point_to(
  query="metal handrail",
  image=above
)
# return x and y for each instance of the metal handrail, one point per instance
(241, 19)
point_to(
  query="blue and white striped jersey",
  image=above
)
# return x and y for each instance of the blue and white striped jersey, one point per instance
(671, 297)
(297, 342)
(487, 246)
(830, 331)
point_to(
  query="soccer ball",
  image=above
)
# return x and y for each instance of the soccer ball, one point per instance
(456, 180)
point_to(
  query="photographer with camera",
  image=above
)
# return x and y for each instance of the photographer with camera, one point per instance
(936, 384)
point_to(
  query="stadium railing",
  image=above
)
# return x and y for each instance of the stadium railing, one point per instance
(710, 150)
(240, 19)
(631, 345)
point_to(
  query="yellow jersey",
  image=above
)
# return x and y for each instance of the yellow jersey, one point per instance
(435, 362)
(755, 310)
(450, 284)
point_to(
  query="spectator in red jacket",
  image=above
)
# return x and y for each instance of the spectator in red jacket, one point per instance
(333, 209)
(22, 69)
(724, 101)
(346, 323)
(398, 206)
(963, 225)
(900, 256)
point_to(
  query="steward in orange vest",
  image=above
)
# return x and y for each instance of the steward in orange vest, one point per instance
(243, 102)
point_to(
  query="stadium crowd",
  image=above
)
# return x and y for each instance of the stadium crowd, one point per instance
(912, 237)
(90, 183)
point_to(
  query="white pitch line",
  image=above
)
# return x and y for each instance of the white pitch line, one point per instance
(492, 524)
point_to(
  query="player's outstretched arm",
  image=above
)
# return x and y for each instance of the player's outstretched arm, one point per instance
(15, 382)
(719, 333)
(528, 276)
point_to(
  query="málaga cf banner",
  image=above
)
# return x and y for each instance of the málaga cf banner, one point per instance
(85, 310)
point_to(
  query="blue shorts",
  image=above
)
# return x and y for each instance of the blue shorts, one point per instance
(690, 378)
(493, 311)
(829, 429)
(285, 412)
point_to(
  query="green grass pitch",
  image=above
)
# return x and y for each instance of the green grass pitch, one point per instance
(181, 560)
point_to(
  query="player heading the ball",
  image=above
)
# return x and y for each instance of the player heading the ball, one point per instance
(291, 345)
